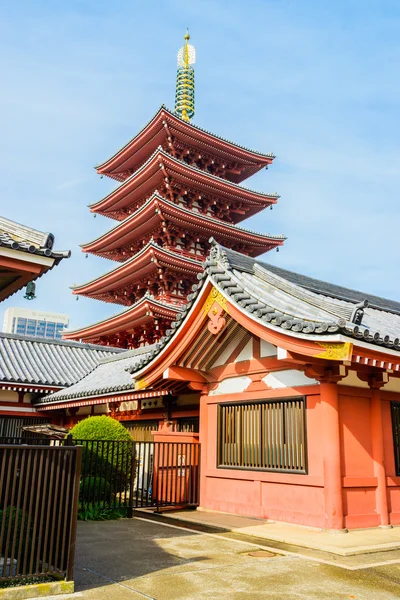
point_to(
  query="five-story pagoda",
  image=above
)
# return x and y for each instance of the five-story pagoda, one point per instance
(179, 187)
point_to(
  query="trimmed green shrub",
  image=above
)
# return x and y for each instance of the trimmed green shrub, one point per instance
(100, 428)
(94, 488)
(110, 461)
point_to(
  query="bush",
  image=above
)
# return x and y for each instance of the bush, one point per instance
(110, 461)
(93, 489)
(100, 511)
(100, 428)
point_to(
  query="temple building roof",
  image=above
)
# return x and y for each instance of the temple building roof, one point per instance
(33, 362)
(289, 302)
(296, 305)
(109, 376)
(151, 216)
(160, 167)
(246, 264)
(166, 128)
(25, 255)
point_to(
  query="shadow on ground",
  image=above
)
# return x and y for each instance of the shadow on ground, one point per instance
(121, 551)
(136, 559)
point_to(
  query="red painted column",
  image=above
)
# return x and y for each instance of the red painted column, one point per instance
(378, 454)
(332, 456)
(204, 433)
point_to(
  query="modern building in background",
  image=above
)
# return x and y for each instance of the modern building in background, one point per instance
(34, 323)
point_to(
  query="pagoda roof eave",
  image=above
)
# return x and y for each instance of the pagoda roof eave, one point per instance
(133, 266)
(147, 133)
(124, 319)
(115, 198)
(212, 224)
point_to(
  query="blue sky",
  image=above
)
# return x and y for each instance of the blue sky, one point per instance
(316, 82)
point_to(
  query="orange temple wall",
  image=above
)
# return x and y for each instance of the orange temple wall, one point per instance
(298, 498)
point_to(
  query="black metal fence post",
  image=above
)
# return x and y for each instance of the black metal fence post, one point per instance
(132, 482)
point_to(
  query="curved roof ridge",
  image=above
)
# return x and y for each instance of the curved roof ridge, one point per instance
(188, 211)
(150, 244)
(317, 285)
(279, 283)
(152, 158)
(69, 343)
(195, 127)
(146, 298)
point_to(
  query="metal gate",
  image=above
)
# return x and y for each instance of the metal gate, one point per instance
(124, 475)
(129, 475)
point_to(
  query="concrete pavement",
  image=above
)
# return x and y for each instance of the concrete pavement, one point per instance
(359, 541)
(135, 559)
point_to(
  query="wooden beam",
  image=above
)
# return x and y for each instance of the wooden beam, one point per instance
(184, 374)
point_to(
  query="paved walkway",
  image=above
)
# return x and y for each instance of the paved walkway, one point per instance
(138, 559)
(360, 541)
(135, 559)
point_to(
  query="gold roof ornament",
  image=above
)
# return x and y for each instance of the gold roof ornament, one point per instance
(184, 97)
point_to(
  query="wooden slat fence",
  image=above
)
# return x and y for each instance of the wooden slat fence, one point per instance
(39, 489)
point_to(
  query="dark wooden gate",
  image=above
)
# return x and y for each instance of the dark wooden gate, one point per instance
(39, 489)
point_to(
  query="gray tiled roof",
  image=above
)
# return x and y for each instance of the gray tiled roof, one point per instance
(293, 302)
(23, 238)
(245, 263)
(36, 361)
(110, 375)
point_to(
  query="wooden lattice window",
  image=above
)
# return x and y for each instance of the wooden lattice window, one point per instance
(141, 430)
(396, 434)
(267, 435)
(13, 426)
(188, 425)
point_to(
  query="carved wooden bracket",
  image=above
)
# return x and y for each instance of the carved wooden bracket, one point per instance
(374, 380)
(331, 374)
(114, 409)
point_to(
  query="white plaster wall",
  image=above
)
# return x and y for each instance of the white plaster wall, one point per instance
(231, 385)
(267, 349)
(132, 405)
(221, 360)
(247, 352)
(289, 378)
(8, 396)
(351, 379)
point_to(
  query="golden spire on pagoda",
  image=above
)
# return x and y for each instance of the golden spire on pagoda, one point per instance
(184, 98)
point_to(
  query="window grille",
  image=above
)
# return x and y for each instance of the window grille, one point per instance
(13, 426)
(265, 435)
(396, 434)
(141, 430)
(188, 425)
